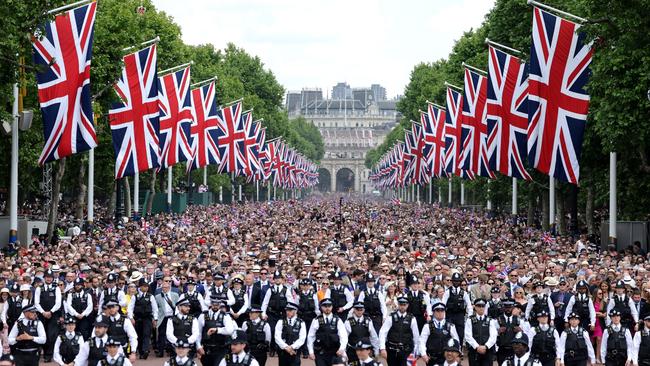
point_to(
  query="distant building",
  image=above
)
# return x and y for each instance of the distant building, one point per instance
(365, 95)
(293, 101)
(342, 91)
(378, 91)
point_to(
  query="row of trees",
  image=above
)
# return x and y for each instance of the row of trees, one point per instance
(619, 117)
(119, 25)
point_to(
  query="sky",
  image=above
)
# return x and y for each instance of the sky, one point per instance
(318, 43)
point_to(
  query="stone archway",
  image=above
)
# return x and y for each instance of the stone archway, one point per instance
(345, 180)
(324, 180)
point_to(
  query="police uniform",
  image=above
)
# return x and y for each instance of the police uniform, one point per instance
(537, 303)
(79, 304)
(112, 293)
(360, 328)
(215, 346)
(641, 344)
(458, 303)
(582, 305)
(258, 332)
(182, 361)
(480, 330)
(494, 307)
(399, 336)
(419, 303)
(508, 325)
(196, 300)
(219, 291)
(241, 305)
(93, 350)
(119, 359)
(374, 302)
(307, 306)
(48, 299)
(275, 301)
(182, 327)
(289, 332)
(13, 309)
(435, 335)
(342, 297)
(364, 343)
(527, 359)
(544, 341)
(242, 358)
(120, 329)
(616, 348)
(624, 305)
(27, 352)
(67, 345)
(575, 347)
(326, 337)
(145, 312)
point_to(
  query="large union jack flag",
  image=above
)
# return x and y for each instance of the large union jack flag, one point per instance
(438, 117)
(64, 51)
(558, 101)
(417, 170)
(204, 130)
(231, 135)
(473, 156)
(453, 132)
(134, 120)
(175, 117)
(507, 113)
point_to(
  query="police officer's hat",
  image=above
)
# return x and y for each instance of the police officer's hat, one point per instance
(479, 302)
(48, 273)
(542, 313)
(112, 277)
(30, 307)
(255, 309)
(305, 282)
(337, 276)
(326, 302)
(582, 284)
(508, 303)
(573, 315)
(79, 281)
(219, 277)
(112, 342)
(495, 290)
(614, 312)
(647, 317)
(237, 280)
(277, 274)
(183, 302)
(414, 279)
(359, 305)
(190, 281)
(363, 343)
(69, 320)
(620, 284)
(101, 323)
(181, 343)
(402, 300)
(539, 284)
(14, 288)
(143, 282)
(216, 300)
(370, 277)
(439, 306)
(452, 345)
(292, 306)
(520, 338)
(456, 277)
(110, 303)
(238, 337)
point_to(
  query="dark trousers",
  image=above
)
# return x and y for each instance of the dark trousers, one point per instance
(616, 361)
(575, 363)
(273, 320)
(214, 357)
(458, 320)
(26, 358)
(420, 320)
(143, 330)
(286, 359)
(477, 359)
(377, 321)
(352, 354)
(241, 320)
(504, 354)
(162, 337)
(52, 330)
(435, 359)
(260, 356)
(85, 326)
(548, 362)
(325, 358)
(559, 325)
(397, 357)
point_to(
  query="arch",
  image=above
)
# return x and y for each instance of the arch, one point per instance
(324, 180)
(345, 180)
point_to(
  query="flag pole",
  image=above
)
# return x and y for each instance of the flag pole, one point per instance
(476, 69)
(91, 186)
(449, 192)
(203, 82)
(174, 69)
(145, 43)
(220, 194)
(439, 194)
(499, 45)
(13, 196)
(489, 200)
(612, 197)
(430, 191)
(69, 6)
(169, 189)
(436, 105)
(462, 193)
(449, 85)
(136, 193)
(514, 196)
(257, 190)
(544, 6)
(205, 176)
(551, 201)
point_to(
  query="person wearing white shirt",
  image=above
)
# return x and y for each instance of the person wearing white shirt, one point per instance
(508, 325)
(27, 336)
(434, 336)
(582, 304)
(458, 303)
(399, 335)
(521, 356)
(575, 348)
(47, 300)
(67, 345)
(452, 353)
(641, 344)
(481, 335)
(197, 302)
(182, 358)
(544, 340)
(359, 326)
(183, 326)
(259, 335)
(419, 302)
(538, 302)
(215, 326)
(625, 305)
(79, 305)
(275, 300)
(374, 302)
(114, 356)
(219, 289)
(239, 309)
(362, 353)
(327, 336)
(93, 350)
(238, 355)
(120, 328)
(145, 314)
(616, 348)
(111, 292)
(342, 297)
(290, 340)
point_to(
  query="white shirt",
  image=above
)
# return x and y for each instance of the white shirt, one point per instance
(426, 331)
(302, 335)
(637, 344)
(469, 310)
(68, 304)
(267, 296)
(469, 334)
(612, 303)
(562, 345)
(521, 361)
(40, 339)
(388, 323)
(244, 307)
(374, 338)
(191, 339)
(238, 357)
(228, 328)
(57, 297)
(628, 342)
(340, 330)
(56, 357)
(382, 300)
(121, 299)
(220, 289)
(532, 332)
(112, 360)
(84, 349)
(128, 328)
(531, 303)
(267, 329)
(572, 302)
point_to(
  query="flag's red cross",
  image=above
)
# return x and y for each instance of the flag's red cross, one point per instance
(203, 124)
(172, 117)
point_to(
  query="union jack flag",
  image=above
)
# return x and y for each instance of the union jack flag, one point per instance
(64, 52)
(453, 135)
(507, 113)
(429, 137)
(175, 117)
(438, 116)
(204, 128)
(417, 169)
(231, 135)
(251, 147)
(262, 153)
(473, 156)
(558, 101)
(277, 167)
(134, 120)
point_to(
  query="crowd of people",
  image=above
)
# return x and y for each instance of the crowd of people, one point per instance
(342, 282)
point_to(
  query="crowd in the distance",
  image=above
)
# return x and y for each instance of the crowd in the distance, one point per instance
(193, 284)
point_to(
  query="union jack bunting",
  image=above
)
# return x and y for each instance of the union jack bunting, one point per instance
(473, 156)
(438, 117)
(272, 162)
(453, 135)
(278, 162)
(251, 148)
(429, 138)
(558, 101)
(230, 138)
(64, 52)
(263, 153)
(507, 113)
(408, 156)
(134, 120)
(175, 117)
(417, 169)
(204, 128)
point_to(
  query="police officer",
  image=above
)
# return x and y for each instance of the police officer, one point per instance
(508, 326)
(419, 302)
(399, 335)
(275, 301)
(625, 305)
(93, 350)
(641, 343)
(219, 289)
(7, 360)
(374, 302)
(238, 355)
(120, 329)
(616, 348)
(238, 311)
(182, 358)
(434, 336)
(14, 307)
(582, 305)
(47, 300)
(197, 303)
(342, 297)
(307, 305)
(259, 335)
(452, 353)
(290, 335)
(79, 305)
(27, 337)
(363, 349)
(114, 357)
(538, 302)
(66, 347)
(544, 340)
(111, 292)
(359, 326)
(183, 326)
(481, 335)
(521, 356)
(494, 307)
(216, 327)
(145, 313)
(327, 336)
(458, 303)
(575, 348)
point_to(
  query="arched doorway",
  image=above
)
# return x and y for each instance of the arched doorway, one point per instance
(344, 180)
(324, 180)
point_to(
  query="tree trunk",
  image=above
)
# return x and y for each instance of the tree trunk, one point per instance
(589, 211)
(561, 212)
(54, 203)
(545, 211)
(127, 197)
(82, 189)
(152, 192)
(530, 217)
(113, 200)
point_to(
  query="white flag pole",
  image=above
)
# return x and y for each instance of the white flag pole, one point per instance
(489, 200)
(13, 183)
(430, 191)
(91, 186)
(169, 188)
(205, 176)
(514, 195)
(612, 197)
(449, 192)
(136, 192)
(551, 201)
(462, 193)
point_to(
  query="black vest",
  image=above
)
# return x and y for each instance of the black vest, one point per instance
(438, 337)
(359, 363)
(216, 340)
(95, 354)
(358, 329)
(371, 303)
(110, 297)
(399, 334)
(505, 338)
(616, 344)
(456, 302)
(544, 344)
(14, 310)
(644, 347)
(79, 301)
(338, 297)
(30, 328)
(624, 307)
(118, 362)
(540, 302)
(581, 307)
(291, 334)
(48, 298)
(195, 304)
(69, 348)
(417, 306)
(116, 330)
(239, 300)
(575, 347)
(256, 335)
(495, 309)
(183, 328)
(277, 301)
(327, 337)
(142, 306)
(172, 362)
(306, 306)
(246, 361)
(480, 329)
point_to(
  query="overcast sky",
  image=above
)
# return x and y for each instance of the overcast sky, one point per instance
(309, 43)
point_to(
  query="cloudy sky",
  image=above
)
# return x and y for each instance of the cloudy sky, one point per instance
(317, 43)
